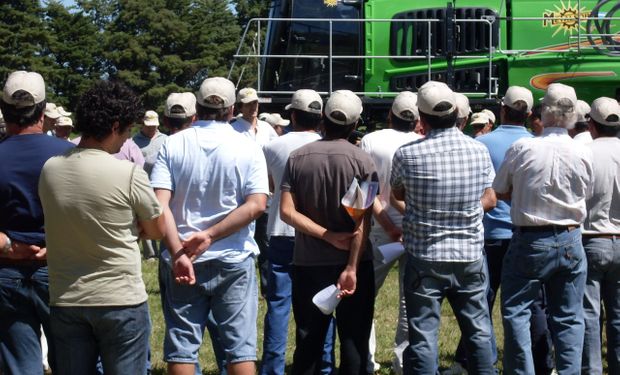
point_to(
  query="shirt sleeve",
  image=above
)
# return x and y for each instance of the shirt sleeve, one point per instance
(142, 197)
(503, 180)
(488, 170)
(396, 179)
(135, 154)
(257, 181)
(161, 175)
(286, 184)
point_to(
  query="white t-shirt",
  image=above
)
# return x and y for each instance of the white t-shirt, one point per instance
(381, 145)
(276, 154)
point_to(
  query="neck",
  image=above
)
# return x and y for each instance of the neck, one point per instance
(14, 129)
(92, 143)
(252, 120)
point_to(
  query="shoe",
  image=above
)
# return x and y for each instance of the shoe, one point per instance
(455, 369)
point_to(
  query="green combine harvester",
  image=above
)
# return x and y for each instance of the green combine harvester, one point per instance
(378, 48)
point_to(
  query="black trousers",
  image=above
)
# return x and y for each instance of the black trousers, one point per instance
(353, 319)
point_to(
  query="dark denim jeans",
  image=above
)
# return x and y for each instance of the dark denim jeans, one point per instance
(603, 284)
(465, 285)
(555, 259)
(278, 298)
(24, 309)
(118, 334)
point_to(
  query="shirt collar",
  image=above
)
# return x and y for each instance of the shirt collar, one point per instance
(554, 131)
(446, 131)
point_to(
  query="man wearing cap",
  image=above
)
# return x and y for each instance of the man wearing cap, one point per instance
(330, 247)
(149, 139)
(445, 180)
(480, 124)
(305, 112)
(277, 122)
(180, 111)
(581, 132)
(601, 240)
(464, 110)
(515, 109)
(491, 115)
(64, 127)
(212, 182)
(387, 223)
(23, 267)
(548, 180)
(51, 115)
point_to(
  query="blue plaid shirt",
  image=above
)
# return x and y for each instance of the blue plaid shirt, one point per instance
(444, 176)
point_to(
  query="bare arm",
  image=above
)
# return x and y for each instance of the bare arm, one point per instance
(488, 199)
(398, 204)
(347, 282)
(302, 223)
(504, 196)
(380, 214)
(153, 229)
(20, 250)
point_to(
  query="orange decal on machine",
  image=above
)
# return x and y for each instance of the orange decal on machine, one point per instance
(541, 81)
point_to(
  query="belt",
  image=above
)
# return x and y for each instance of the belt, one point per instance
(548, 228)
(22, 262)
(608, 236)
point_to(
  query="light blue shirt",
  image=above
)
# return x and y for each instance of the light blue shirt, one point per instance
(497, 222)
(211, 168)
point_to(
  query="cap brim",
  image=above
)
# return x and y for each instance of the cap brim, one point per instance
(54, 115)
(151, 123)
(288, 107)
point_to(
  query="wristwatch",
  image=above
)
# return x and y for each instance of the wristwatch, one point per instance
(7, 245)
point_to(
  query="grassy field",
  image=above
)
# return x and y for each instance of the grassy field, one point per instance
(386, 315)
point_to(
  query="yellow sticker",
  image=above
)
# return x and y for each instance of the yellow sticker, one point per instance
(565, 18)
(330, 3)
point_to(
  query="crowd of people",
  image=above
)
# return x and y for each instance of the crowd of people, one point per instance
(535, 212)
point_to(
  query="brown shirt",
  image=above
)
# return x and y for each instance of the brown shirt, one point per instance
(319, 175)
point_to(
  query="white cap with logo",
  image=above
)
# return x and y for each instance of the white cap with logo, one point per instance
(404, 106)
(343, 103)
(184, 100)
(514, 94)
(583, 110)
(462, 103)
(605, 111)
(151, 118)
(306, 100)
(247, 95)
(64, 121)
(23, 89)
(433, 93)
(216, 92)
(479, 118)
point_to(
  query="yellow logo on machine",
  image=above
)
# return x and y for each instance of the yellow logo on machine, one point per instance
(565, 18)
(330, 3)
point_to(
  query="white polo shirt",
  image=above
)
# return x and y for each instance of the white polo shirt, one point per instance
(262, 135)
(550, 177)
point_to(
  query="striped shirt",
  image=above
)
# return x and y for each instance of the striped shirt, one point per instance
(444, 176)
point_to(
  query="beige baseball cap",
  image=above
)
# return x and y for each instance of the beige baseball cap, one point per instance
(515, 94)
(247, 95)
(605, 111)
(51, 111)
(213, 89)
(64, 121)
(62, 112)
(560, 94)
(274, 119)
(489, 114)
(583, 110)
(433, 93)
(29, 84)
(151, 118)
(306, 100)
(344, 102)
(185, 100)
(404, 106)
(462, 103)
(479, 118)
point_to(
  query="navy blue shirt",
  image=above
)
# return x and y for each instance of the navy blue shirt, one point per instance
(21, 159)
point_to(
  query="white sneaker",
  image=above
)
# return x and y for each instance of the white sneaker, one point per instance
(455, 369)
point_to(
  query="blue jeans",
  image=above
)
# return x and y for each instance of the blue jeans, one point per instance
(117, 334)
(228, 291)
(24, 309)
(465, 285)
(278, 297)
(556, 259)
(603, 284)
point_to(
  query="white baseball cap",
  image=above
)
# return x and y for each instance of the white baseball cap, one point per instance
(306, 100)
(64, 121)
(20, 81)
(151, 118)
(433, 93)
(479, 118)
(264, 116)
(515, 94)
(62, 112)
(274, 119)
(605, 111)
(215, 88)
(404, 106)
(346, 103)
(247, 95)
(185, 100)
(583, 110)
(462, 103)
(51, 111)
(560, 94)
(489, 114)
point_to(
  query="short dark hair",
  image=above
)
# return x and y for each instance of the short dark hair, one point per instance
(440, 122)
(516, 115)
(337, 131)
(537, 111)
(22, 117)
(306, 120)
(399, 124)
(105, 103)
(605, 130)
(211, 114)
(581, 126)
(176, 122)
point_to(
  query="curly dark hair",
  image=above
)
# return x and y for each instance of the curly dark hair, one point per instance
(105, 103)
